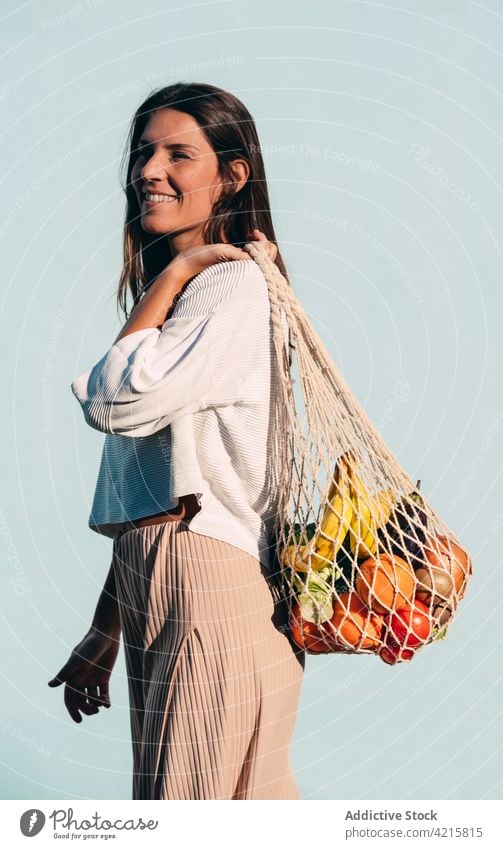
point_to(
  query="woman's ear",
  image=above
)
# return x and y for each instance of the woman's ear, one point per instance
(240, 171)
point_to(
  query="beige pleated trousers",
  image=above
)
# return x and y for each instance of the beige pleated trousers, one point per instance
(214, 679)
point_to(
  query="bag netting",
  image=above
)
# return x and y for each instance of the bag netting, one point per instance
(366, 564)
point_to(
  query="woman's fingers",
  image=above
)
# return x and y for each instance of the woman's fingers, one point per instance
(83, 698)
(63, 673)
(73, 700)
(92, 695)
(257, 236)
(89, 708)
(78, 701)
(80, 697)
(99, 698)
(77, 661)
(104, 694)
(86, 674)
(231, 252)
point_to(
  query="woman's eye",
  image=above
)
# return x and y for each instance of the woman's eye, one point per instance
(143, 151)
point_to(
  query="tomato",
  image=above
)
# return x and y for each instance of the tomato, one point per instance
(314, 639)
(409, 627)
(296, 627)
(387, 655)
(393, 653)
(309, 636)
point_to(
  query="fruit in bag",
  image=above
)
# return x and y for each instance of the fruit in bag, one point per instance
(436, 587)
(385, 583)
(404, 632)
(448, 555)
(373, 530)
(308, 636)
(336, 520)
(410, 627)
(406, 531)
(354, 624)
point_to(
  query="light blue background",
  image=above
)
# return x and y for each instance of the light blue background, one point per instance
(358, 106)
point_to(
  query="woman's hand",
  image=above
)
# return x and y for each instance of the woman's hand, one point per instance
(192, 261)
(88, 668)
(154, 305)
(271, 248)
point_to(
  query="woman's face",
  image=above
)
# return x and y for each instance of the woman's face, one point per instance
(175, 160)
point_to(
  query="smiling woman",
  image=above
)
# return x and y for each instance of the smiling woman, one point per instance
(187, 398)
(199, 143)
(176, 178)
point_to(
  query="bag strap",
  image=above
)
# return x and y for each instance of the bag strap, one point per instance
(319, 376)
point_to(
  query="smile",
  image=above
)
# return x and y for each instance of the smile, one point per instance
(148, 198)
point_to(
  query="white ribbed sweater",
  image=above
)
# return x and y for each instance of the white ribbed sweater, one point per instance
(188, 409)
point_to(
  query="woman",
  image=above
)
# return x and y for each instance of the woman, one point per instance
(185, 396)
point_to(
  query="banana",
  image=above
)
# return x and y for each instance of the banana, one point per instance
(335, 521)
(363, 530)
(296, 557)
(385, 499)
(340, 466)
(349, 507)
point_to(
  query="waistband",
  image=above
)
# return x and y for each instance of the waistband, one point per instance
(175, 515)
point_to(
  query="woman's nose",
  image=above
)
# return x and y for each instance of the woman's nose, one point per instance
(155, 166)
(151, 170)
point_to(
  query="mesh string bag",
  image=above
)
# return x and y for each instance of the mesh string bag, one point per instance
(364, 561)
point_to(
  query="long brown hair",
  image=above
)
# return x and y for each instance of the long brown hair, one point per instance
(230, 129)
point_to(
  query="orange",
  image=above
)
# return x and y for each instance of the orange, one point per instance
(385, 583)
(351, 622)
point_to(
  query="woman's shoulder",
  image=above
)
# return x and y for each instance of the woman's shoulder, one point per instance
(219, 283)
(228, 272)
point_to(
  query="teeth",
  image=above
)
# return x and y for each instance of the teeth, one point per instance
(160, 198)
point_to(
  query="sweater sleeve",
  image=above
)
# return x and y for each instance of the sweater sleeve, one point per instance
(151, 377)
